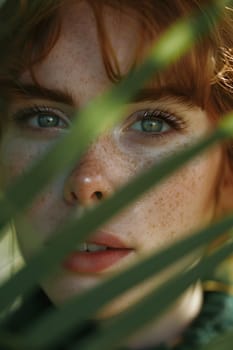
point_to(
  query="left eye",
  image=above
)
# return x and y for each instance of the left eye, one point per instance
(38, 117)
(153, 126)
(151, 122)
(47, 120)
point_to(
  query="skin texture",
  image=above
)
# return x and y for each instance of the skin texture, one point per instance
(185, 201)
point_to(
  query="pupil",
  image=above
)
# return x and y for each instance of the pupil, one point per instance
(48, 121)
(152, 125)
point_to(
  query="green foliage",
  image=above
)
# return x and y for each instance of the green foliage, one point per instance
(103, 113)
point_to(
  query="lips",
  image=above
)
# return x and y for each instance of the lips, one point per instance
(101, 251)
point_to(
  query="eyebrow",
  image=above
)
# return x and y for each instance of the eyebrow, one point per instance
(30, 91)
(157, 93)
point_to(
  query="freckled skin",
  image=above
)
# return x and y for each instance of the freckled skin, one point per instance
(183, 202)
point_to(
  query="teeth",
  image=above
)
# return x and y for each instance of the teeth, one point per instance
(95, 247)
(88, 247)
(82, 247)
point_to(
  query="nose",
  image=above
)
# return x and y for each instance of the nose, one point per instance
(88, 183)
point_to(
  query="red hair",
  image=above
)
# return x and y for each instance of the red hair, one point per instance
(204, 74)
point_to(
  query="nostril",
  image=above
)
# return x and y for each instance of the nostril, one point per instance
(74, 197)
(95, 196)
(98, 195)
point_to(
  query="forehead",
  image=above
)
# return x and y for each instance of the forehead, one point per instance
(77, 63)
(77, 55)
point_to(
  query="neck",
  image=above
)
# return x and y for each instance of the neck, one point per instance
(170, 326)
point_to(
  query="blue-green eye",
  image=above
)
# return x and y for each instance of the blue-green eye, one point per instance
(39, 117)
(154, 122)
(153, 126)
(48, 121)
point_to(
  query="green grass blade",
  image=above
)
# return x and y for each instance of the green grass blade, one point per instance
(105, 111)
(16, 198)
(222, 342)
(76, 230)
(73, 313)
(129, 322)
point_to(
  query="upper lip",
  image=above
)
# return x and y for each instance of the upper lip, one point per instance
(106, 239)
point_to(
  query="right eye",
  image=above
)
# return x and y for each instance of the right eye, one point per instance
(151, 124)
(42, 118)
(47, 121)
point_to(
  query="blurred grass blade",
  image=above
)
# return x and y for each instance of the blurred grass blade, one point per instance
(129, 322)
(73, 313)
(222, 342)
(90, 123)
(2, 2)
(105, 111)
(76, 231)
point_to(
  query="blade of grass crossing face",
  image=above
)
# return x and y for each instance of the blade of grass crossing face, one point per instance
(77, 230)
(23, 203)
(70, 316)
(105, 112)
(60, 253)
(128, 322)
(139, 315)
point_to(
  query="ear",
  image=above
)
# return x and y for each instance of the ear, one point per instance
(224, 202)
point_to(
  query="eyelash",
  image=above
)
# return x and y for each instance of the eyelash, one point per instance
(175, 122)
(26, 114)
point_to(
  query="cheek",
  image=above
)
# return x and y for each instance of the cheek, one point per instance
(179, 205)
(187, 200)
(17, 155)
(46, 214)
(48, 209)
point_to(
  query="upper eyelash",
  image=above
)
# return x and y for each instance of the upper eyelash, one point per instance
(25, 113)
(176, 122)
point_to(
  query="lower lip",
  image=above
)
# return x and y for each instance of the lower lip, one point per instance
(94, 262)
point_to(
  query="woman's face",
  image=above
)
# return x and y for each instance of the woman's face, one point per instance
(150, 131)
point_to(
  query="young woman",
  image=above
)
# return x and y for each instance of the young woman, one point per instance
(66, 54)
